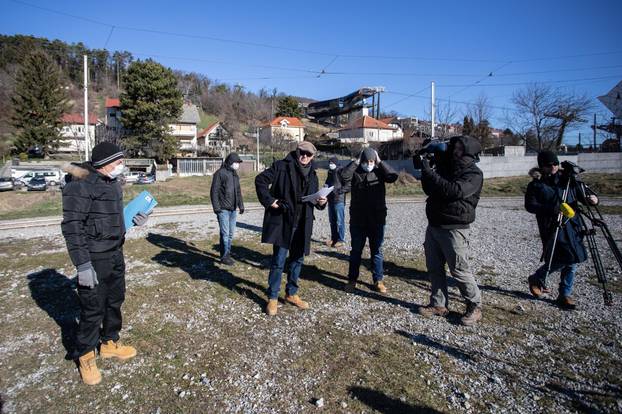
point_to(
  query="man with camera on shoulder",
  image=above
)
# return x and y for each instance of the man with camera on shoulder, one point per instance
(545, 198)
(453, 188)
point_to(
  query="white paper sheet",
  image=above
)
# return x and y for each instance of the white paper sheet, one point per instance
(323, 192)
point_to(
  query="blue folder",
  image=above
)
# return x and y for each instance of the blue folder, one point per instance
(143, 203)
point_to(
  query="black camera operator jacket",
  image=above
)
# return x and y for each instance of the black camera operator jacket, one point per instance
(92, 213)
(453, 191)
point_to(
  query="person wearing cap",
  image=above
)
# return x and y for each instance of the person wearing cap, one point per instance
(336, 204)
(366, 178)
(453, 188)
(226, 198)
(288, 221)
(543, 198)
(94, 231)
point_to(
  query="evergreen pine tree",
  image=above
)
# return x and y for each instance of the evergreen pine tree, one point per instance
(39, 102)
(288, 106)
(149, 104)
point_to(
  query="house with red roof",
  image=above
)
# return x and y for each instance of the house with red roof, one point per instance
(214, 139)
(283, 128)
(72, 132)
(368, 129)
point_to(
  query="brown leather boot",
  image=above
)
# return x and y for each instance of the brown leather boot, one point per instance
(296, 301)
(272, 307)
(380, 287)
(111, 349)
(89, 372)
(566, 302)
(535, 288)
(429, 311)
(472, 315)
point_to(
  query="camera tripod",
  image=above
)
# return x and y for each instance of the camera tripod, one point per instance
(590, 218)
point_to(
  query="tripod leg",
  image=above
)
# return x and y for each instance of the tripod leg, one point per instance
(598, 266)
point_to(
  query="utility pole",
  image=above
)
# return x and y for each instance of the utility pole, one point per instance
(579, 140)
(86, 111)
(594, 126)
(118, 76)
(433, 110)
(257, 135)
(378, 107)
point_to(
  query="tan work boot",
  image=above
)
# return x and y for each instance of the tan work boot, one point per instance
(350, 287)
(272, 307)
(111, 349)
(88, 369)
(566, 302)
(339, 245)
(296, 301)
(429, 311)
(472, 315)
(380, 287)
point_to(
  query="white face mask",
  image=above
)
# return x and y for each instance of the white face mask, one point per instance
(368, 167)
(332, 166)
(117, 171)
(235, 165)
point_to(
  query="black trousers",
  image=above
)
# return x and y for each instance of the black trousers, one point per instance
(100, 307)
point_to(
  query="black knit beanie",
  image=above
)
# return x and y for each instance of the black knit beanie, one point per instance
(547, 158)
(104, 153)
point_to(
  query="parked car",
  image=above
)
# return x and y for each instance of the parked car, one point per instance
(52, 177)
(131, 176)
(37, 183)
(6, 183)
(145, 179)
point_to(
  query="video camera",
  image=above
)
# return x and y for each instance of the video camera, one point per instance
(429, 150)
(570, 168)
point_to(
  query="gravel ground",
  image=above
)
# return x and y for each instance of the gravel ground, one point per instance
(526, 356)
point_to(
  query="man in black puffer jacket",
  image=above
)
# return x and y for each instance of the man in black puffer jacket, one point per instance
(453, 190)
(226, 197)
(94, 230)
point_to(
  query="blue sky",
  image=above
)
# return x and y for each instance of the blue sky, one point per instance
(401, 45)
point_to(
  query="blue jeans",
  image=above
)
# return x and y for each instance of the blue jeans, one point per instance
(375, 233)
(566, 281)
(277, 264)
(226, 222)
(336, 217)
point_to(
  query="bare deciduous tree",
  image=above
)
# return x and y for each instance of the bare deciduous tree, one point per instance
(547, 113)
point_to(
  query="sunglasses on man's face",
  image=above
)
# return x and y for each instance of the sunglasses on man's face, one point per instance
(552, 165)
(306, 154)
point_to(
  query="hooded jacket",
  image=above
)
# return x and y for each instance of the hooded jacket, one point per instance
(543, 198)
(454, 187)
(282, 182)
(92, 212)
(368, 204)
(225, 192)
(333, 179)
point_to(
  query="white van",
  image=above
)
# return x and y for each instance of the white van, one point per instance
(52, 177)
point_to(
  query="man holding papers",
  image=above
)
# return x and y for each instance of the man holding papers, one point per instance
(288, 220)
(94, 230)
(368, 211)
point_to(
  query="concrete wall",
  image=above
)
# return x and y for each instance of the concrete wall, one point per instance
(519, 166)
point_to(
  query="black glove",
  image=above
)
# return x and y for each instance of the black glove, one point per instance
(241, 210)
(217, 211)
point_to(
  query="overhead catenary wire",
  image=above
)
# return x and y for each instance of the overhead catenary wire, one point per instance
(306, 51)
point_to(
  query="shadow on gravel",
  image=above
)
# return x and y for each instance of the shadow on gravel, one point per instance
(55, 294)
(426, 341)
(338, 282)
(250, 227)
(578, 398)
(382, 403)
(512, 293)
(201, 265)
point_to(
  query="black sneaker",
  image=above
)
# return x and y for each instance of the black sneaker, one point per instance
(227, 260)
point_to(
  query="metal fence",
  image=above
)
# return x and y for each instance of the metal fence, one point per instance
(197, 166)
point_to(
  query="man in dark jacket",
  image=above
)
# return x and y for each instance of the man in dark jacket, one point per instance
(366, 178)
(288, 221)
(336, 204)
(94, 231)
(543, 198)
(453, 190)
(226, 197)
